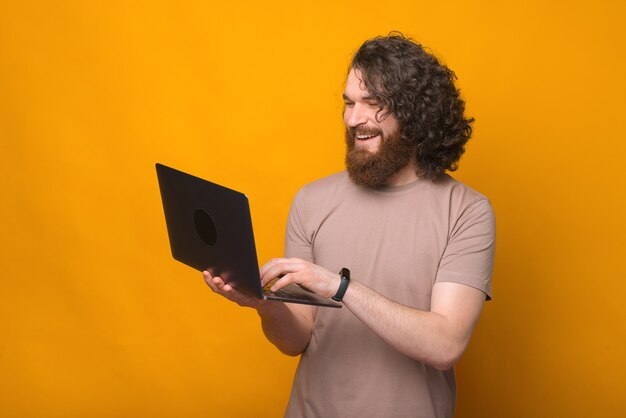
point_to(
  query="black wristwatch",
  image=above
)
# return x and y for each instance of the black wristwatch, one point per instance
(345, 281)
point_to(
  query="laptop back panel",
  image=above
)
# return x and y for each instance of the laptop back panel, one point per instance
(209, 227)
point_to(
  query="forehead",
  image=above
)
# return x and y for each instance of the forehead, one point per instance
(355, 87)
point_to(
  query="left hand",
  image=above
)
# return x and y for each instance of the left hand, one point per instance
(305, 274)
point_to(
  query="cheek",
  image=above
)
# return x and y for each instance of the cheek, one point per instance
(389, 126)
(346, 115)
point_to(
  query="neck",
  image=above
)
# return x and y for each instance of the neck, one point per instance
(405, 176)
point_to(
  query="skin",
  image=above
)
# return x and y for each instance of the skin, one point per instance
(437, 337)
(360, 110)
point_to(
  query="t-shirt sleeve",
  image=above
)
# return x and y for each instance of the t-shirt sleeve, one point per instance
(298, 243)
(468, 257)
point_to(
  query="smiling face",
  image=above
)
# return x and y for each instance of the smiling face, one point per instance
(365, 121)
(376, 154)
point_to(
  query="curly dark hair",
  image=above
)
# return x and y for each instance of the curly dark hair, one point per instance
(412, 85)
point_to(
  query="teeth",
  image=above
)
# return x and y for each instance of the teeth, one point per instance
(365, 136)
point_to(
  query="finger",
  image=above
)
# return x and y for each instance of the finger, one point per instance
(216, 284)
(271, 264)
(272, 273)
(284, 262)
(236, 296)
(284, 281)
(208, 279)
(227, 291)
(281, 269)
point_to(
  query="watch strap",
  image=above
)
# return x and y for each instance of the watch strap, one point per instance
(343, 286)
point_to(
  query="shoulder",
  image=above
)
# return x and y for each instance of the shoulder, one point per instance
(458, 190)
(326, 187)
(461, 196)
(469, 208)
(314, 201)
(333, 181)
(455, 203)
(311, 204)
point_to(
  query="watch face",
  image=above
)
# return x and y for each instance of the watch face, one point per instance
(345, 273)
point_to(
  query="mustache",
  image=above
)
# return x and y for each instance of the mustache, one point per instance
(352, 132)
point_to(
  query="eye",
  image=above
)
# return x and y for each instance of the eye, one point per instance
(348, 104)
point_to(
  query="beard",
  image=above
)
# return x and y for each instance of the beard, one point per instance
(375, 169)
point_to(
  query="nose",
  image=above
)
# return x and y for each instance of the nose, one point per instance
(355, 115)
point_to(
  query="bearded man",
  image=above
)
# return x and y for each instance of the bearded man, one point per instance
(418, 245)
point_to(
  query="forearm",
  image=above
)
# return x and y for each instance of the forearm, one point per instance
(427, 337)
(436, 337)
(287, 328)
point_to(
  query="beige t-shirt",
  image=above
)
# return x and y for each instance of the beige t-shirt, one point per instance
(399, 241)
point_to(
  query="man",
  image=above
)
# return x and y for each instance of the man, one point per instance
(418, 244)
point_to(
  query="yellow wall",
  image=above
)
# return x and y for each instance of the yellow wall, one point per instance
(97, 320)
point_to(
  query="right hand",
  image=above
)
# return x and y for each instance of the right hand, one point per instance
(218, 286)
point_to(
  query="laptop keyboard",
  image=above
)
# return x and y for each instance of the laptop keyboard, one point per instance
(295, 294)
(267, 289)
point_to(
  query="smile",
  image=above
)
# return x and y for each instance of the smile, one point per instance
(365, 137)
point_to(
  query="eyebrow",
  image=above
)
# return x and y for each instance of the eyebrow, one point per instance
(365, 98)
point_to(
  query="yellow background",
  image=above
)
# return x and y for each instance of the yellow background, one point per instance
(97, 319)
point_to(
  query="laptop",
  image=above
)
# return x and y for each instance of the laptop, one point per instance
(210, 228)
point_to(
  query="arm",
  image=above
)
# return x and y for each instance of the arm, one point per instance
(288, 327)
(437, 337)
